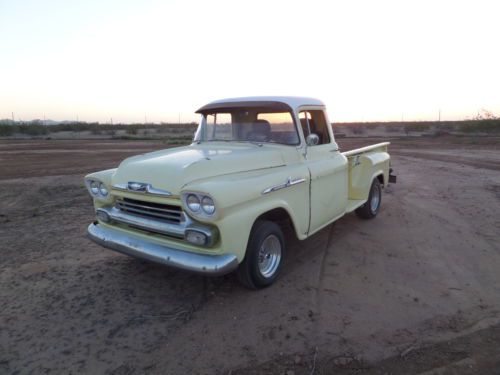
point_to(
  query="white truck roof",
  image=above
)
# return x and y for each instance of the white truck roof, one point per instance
(292, 101)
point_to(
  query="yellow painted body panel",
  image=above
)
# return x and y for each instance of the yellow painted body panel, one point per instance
(364, 165)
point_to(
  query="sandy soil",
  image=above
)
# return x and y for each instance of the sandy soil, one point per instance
(417, 290)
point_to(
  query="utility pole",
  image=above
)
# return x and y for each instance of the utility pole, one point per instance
(145, 119)
(439, 114)
(179, 118)
(12, 116)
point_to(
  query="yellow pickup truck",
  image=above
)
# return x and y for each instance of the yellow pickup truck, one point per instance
(219, 204)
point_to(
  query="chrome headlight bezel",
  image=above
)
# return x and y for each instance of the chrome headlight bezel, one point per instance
(193, 205)
(97, 189)
(193, 202)
(208, 205)
(94, 187)
(103, 190)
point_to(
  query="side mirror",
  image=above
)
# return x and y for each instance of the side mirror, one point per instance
(312, 139)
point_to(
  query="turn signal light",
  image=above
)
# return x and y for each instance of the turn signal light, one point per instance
(196, 238)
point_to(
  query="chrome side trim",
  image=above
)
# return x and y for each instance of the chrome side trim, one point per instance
(210, 265)
(289, 182)
(141, 187)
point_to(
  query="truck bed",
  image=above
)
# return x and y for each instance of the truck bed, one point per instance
(371, 148)
(364, 165)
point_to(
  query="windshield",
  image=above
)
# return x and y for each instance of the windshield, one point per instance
(262, 125)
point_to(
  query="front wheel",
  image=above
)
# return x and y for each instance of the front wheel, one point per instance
(264, 256)
(370, 209)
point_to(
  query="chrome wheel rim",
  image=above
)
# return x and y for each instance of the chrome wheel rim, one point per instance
(375, 202)
(269, 256)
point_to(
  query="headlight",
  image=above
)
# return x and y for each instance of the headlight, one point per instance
(193, 202)
(97, 189)
(103, 190)
(199, 204)
(94, 187)
(207, 204)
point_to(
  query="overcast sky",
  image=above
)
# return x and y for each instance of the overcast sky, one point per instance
(368, 60)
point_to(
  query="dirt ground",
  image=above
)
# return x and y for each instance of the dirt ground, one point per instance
(415, 291)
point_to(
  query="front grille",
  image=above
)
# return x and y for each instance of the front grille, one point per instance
(158, 211)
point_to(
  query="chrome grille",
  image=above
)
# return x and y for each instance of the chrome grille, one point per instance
(158, 211)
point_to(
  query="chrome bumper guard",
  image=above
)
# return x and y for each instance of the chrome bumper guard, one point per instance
(113, 239)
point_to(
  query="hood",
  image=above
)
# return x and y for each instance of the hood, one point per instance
(173, 168)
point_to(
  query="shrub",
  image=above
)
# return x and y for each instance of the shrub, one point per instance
(392, 128)
(6, 130)
(33, 130)
(491, 126)
(445, 126)
(416, 127)
(357, 129)
(131, 129)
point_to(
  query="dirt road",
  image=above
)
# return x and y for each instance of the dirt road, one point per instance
(417, 290)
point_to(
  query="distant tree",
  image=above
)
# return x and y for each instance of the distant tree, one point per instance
(484, 114)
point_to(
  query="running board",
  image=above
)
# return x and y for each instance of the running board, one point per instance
(352, 204)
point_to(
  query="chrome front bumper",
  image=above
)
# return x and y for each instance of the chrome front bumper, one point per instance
(214, 265)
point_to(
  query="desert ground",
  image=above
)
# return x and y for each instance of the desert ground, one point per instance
(414, 291)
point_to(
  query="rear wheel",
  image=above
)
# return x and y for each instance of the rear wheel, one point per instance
(264, 256)
(370, 209)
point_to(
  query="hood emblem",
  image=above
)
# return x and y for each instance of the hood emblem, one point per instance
(142, 187)
(137, 186)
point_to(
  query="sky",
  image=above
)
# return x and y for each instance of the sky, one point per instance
(130, 61)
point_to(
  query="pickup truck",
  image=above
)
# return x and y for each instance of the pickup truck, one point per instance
(219, 205)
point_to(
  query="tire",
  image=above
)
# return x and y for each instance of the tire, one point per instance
(264, 256)
(372, 206)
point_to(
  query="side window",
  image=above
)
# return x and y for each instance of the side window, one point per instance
(219, 126)
(314, 121)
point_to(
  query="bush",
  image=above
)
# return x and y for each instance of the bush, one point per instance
(445, 126)
(392, 128)
(481, 126)
(416, 127)
(33, 130)
(131, 129)
(357, 129)
(6, 130)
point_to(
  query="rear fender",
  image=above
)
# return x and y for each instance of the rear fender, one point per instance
(363, 169)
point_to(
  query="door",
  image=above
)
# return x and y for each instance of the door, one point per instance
(328, 169)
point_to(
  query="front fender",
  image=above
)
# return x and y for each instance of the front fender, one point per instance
(104, 177)
(240, 200)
